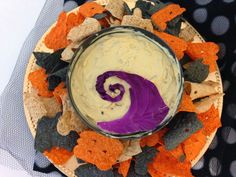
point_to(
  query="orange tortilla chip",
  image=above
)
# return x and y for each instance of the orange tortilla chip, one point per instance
(124, 168)
(161, 17)
(39, 81)
(74, 20)
(168, 164)
(154, 173)
(89, 9)
(194, 144)
(178, 153)
(59, 91)
(57, 37)
(176, 44)
(98, 149)
(210, 120)
(186, 104)
(59, 156)
(206, 51)
(154, 139)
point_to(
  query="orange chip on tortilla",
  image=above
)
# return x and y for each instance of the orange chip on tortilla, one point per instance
(206, 51)
(210, 120)
(194, 144)
(176, 44)
(89, 9)
(168, 164)
(59, 91)
(154, 139)
(39, 81)
(124, 168)
(59, 156)
(161, 17)
(98, 149)
(186, 104)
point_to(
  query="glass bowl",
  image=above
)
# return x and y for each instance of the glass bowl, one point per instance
(148, 36)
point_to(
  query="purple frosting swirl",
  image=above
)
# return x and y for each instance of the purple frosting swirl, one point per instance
(147, 108)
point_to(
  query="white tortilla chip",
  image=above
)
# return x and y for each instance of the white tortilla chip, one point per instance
(69, 121)
(204, 104)
(200, 90)
(88, 27)
(116, 8)
(137, 21)
(131, 148)
(68, 52)
(41, 106)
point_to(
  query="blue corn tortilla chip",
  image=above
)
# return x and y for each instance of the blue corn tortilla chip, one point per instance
(48, 137)
(54, 66)
(56, 78)
(100, 16)
(196, 71)
(127, 10)
(80, 161)
(40, 57)
(183, 125)
(90, 170)
(148, 8)
(132, 172)
(52, 62)
(143, 158)
(186, 59)
(174, 26)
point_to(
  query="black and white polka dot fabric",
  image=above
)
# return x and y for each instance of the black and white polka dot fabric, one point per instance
(216, 21)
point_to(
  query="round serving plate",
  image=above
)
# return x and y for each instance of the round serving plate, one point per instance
(71, 165)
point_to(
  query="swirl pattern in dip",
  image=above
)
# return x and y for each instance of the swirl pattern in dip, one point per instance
(126, 83)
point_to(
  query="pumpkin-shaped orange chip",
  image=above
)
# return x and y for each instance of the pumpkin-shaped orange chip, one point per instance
(98, 149)
(59, 156)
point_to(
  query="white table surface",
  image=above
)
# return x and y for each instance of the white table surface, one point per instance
(17, 18)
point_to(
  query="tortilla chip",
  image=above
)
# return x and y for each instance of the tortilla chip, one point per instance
(176, 44)
(210, 120)
(166, 163)
(154, 139)
(68, 52)
(88, 27)
(186, 104)
(178, 153)
(116, 8)
(98, 149)
(194, 144)
(39, 81)
(59, 91)
(69, 120)
(206, 51)
(124, 168)
(205, 104)
(187, 33)
(59, 156)
(57, 37)
(200, 90)
(89, 9)
(169, 12)
(154, 173)
(131, 148)
(137, 20)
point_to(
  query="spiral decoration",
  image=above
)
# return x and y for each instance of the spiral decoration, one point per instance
(147, 108)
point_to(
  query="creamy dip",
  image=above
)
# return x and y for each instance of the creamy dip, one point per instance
(126, 52)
